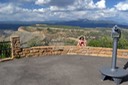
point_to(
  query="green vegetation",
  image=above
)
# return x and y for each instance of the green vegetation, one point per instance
(5, 50)
(104, 39)
(34, 42)
(39, 27)
(68, 35)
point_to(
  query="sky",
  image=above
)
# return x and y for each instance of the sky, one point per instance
(63, 10)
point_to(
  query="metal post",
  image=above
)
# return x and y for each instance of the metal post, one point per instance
(114, 54)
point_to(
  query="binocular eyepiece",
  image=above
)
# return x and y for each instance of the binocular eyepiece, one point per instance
(116, 29)
(116, 32)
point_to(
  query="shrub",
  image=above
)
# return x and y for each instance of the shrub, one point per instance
(5, 50)
(70, 42)
(34, 42)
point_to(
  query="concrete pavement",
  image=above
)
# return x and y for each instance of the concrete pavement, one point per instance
(57, 70)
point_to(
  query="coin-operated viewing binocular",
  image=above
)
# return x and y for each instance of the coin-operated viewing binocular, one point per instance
(116, 32)
(114, 72)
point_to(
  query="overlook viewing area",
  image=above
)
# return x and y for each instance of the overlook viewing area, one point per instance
(57, 70)
(64, 42)
(58, 65)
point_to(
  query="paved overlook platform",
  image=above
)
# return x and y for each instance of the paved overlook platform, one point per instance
(57, 70)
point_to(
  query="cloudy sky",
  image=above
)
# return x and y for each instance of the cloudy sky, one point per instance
(47, 10)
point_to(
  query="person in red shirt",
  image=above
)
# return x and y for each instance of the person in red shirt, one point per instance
(81, 42)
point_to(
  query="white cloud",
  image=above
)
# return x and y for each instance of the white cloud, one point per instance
(91, 4)
(101, 4)
(27, 0)
(84, 4)
(54, 8)
(81, 5)
(23, 0)
(12, 9)
(39, 10)
(73, 10)
(122, 6)
(6, 9)
(39, 2)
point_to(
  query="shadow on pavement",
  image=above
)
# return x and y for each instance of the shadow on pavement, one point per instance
(125, 79)
(126, 66)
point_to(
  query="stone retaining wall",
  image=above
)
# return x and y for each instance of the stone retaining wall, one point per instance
(99, 51)
(17, 51)
(41, 51)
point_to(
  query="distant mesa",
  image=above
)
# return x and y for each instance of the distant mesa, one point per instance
(43, 25)
(21, 29)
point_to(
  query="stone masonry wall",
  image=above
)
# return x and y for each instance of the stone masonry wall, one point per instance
(15, 45)
(62, 50)
(42, 51)
(99, 51)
